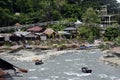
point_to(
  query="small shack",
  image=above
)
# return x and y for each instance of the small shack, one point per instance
(6, 36)
(72, 31)
(1, 38)
(64, 34)
(42, 36)
(31, 36)
(19, 36)
(49, 32)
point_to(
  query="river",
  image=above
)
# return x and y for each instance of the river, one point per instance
(68, 67)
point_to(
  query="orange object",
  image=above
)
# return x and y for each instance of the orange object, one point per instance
(23, 70)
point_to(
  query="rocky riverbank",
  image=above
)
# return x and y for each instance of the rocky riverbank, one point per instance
(112, 56)
(31, 55)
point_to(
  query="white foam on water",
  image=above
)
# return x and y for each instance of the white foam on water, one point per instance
(114, 78)
(54, 77)
(110, 77)
(92, 52)
(77, 59)
(68, 60)
(42, 69)
(46, 79)
(51, 61)
(103, 75)
(76, 74)
(75, 79)
(32, 69)
(33, 78)
(57, 63)
(26, 55)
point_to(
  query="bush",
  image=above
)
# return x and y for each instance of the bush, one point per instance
(117, 41)
(103, 46)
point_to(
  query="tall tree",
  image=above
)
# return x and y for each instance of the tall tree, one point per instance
(91, 17)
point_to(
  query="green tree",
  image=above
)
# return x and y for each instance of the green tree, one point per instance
(91, 17)
(32, 11)
(83, 32)
(89, 34)
(112, 33)
(117, 19)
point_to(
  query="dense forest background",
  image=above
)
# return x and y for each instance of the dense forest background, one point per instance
(33, 11)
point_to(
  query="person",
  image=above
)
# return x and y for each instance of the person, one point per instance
(5, 75)
(38, 62)
(2, 73)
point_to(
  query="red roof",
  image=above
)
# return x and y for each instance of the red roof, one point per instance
(35, 29)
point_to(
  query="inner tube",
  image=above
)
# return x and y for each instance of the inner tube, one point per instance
(86, 70)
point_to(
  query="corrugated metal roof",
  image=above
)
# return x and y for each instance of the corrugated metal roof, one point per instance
(70, 28)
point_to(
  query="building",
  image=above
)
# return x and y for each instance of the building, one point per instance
(107, 19)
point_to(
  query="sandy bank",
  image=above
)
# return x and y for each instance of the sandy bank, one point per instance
(112, 61)
(112, 56)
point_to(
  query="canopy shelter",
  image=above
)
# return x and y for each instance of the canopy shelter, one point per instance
(78, 23)
(35, 29)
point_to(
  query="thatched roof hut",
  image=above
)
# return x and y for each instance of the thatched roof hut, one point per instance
(17, 24)
(49, 31)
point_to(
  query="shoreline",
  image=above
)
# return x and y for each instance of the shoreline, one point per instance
(30, 56)
(107, 57)
(111, 56)
(111, 61)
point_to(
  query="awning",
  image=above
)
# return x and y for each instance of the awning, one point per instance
(70, 29)
(63, 33)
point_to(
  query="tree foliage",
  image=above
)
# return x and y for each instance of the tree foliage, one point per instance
(88, 33)
(32, 11)
(112, 33)
(90, 16)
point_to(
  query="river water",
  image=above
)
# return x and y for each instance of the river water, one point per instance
(68, 67)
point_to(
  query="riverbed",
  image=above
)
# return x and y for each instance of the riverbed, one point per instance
(65, 66)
